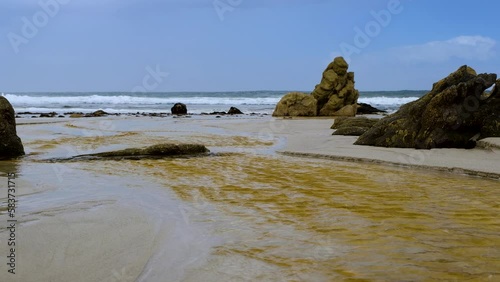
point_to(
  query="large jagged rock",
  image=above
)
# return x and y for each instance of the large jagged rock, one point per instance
(10, 144)
(336, 90)
(454, 114)
(296, 104)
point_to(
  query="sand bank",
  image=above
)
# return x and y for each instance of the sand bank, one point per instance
(312, 137)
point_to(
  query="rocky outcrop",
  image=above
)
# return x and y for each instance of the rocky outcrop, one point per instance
(336, 90)
(365, 109)
(352, 126)
(454, 114)
(234, 111)
(179, 109)
(296, 104)
(333, 96)
(10, 144)
(98, 113)
(151, 152)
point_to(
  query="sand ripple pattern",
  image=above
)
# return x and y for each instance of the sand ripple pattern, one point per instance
(304, 219)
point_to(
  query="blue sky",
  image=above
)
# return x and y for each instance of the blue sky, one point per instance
(226, 45)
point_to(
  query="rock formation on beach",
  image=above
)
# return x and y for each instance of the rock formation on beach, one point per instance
(336, 90)
(151, 152)
(179, 109)
(296, 104)
(333, 96)
(352, 126)
(234, 111)
(454, 114)
(10, 144)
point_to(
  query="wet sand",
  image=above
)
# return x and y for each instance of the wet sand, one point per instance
(253, 214)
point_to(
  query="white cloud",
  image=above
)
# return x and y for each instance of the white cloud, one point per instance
(461, 47)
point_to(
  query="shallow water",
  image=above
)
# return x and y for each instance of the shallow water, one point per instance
(250, 215)
(304, 219)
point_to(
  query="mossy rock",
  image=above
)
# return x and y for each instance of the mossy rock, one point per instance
(151, 152)
(351, 131)
(444, 117)
(341, 122)
(336, 88)
(296, 104)
(10, 144)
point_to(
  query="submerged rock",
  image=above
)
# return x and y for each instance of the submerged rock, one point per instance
(336, 90)
(10, 144)
(98, 113)
(296, 104)
(353, 126)
(179, 109)
(48, 115)
(155, 151)
(454, 114)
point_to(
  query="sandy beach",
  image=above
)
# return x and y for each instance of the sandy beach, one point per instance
(280, 199)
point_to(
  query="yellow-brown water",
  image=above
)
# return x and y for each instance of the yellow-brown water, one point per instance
(259, 217)
(320, 220)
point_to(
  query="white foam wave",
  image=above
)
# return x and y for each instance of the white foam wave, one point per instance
(387, 101)
(34, 101)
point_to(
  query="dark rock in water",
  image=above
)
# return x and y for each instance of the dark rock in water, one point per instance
(454, 114)
(353, 126)
(234, 111)
(336, 90)
(365, 109)
(48, 115)
(10, 144)
(218, 113)
(99, 113)
(155, 151)
(179, 109)
(296, 104)
(76, 115)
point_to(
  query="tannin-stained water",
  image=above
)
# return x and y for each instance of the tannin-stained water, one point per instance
(301, 219)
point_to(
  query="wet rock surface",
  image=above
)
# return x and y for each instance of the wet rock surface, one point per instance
(454, 114)
(10, 144)
(151, 152)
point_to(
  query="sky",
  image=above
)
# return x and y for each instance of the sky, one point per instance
(240, 45)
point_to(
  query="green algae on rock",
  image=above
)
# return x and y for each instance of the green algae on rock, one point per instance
(352, 126)
(454, 114)
(151, 152)
(10, 144)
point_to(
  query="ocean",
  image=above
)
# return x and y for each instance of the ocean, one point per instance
(197, 102)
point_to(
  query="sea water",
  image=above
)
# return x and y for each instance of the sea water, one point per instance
(197, 102)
